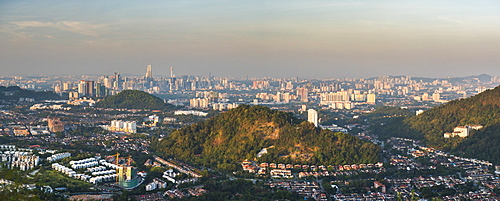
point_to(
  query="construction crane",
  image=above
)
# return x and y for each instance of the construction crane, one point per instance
(129, 160)
(117, 159)
(117, 155)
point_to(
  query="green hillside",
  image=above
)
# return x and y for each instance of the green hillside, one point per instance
(222, 141)
(133, 99)
(387, 122)
(15, 92)
(483, 109)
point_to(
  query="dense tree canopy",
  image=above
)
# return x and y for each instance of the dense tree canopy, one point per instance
(241, 133)
(133, 99)
(387, 122)
(15, 92)
(483, 109)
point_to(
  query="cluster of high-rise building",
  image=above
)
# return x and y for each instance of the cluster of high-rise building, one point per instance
(199, 102)
(224, 106)
(104, 86)
(110, 85)
(18, 159)
(495, 79)
(205, 103)
(279, 97)
(209, 91)
(122, 126)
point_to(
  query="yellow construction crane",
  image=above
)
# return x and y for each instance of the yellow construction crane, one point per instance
(117, 159)
(129, 160)
(117, 155)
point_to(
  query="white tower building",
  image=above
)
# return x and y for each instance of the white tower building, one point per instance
(312, 116)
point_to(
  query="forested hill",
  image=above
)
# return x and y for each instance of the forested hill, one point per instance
(387, 122)
(133, 99)
(222, 141)
(483, 109)
(15, 92)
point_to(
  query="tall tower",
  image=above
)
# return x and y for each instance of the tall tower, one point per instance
(116, 83)
(171, 72)
(149, 72)
(302, 94)
(89, 88)
(370, 98)
(312, 116)
(436, 97)
(81, 87)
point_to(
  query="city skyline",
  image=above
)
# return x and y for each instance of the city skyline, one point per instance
(149, 75)
(255, 39)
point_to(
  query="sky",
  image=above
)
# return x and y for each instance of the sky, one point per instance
(233, 38)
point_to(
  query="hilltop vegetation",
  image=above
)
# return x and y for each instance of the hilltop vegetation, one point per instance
(222, 141)
(387, 122)
(133, 99)
(483, 109)
(15, 92)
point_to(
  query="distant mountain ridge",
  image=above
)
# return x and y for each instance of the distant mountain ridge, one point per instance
(222, 141)
(133, 99)
(482, 78)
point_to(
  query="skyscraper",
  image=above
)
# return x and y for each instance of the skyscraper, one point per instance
(312, 116)
(371, 98)
(149, 72)
(66, 86)
(117, 83)
(89, 88)
(436, 97)
(100, 90)
(303, 93)
(148, 79)
(81, 88)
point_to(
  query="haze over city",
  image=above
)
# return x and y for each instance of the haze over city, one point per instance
(249, 100)
(313, 39)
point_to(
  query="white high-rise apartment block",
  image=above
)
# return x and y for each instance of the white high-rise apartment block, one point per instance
(81, 87)
(199, 102)
(123, 126)
(312, 116)
(371, 98)
(436, 97)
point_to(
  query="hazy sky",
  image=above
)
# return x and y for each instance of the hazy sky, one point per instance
(256, 38)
